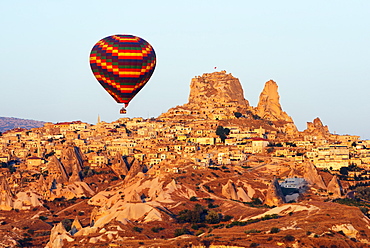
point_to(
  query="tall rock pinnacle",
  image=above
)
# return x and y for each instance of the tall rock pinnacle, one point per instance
(269, 104)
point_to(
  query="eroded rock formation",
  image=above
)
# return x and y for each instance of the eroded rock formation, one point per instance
(312, 176)
(274, 195)
(58, 236)
(334, 187)
(230, 191)
(6, 201)
(72, 159)
(219, 88)
(215, 95)
(269, 104)
(119, 166)
(316, 128)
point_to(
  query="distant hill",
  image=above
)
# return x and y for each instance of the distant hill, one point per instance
(7, 123)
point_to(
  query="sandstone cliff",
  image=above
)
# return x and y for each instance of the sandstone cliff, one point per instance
(61, 184)
(56, 171)
(23, 200)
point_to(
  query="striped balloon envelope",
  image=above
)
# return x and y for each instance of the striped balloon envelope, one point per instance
(122, 64)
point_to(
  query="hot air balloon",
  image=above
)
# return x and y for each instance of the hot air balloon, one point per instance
(122, 64)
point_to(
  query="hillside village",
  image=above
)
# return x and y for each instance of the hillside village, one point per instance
(120, 180)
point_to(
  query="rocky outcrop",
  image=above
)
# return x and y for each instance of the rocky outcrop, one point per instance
(139, 200)
(42, 185)
(214, 96)
(348, 229)
(119, 166)
(135, 198)
(316, 128)
(23, 200)
(6, 198)
(56, 171)
(135, 168)
(274, 195)
(71, 190)
(76, 226)
(269, 107)
(219, 96)
(60, 182)
(93, 216)
(334, 187)
(72, 159)
(58, 236)
(75, 177)
(26, 200)
(219, 88)
(230, 191)
(312, 176)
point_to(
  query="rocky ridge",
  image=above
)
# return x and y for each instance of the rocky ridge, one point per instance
(8, 123)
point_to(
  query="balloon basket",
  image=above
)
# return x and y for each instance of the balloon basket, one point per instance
(123, 111)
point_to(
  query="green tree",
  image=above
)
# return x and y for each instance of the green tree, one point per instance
(226, 131)
(256, 117)
(181, 231)
(222, 133)
(274, 230)
(197, 215)
(270, 150)
(289, 238)
(343, 171)
(212, 217)
(363, 193)
(193, 198)
(137, 229)
(238, 115)
(67, 223)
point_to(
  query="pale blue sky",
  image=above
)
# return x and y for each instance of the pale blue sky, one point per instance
(317, 52)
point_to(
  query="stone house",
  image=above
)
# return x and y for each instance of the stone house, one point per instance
(259, 144)
(34, 163)
(98, 160)
(4, 159)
